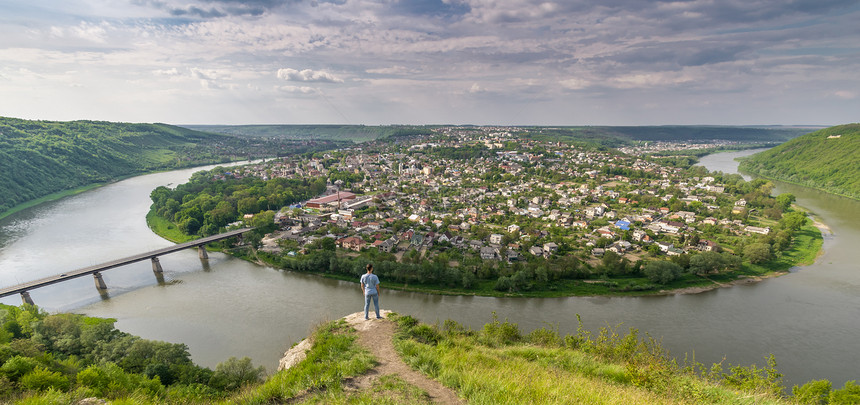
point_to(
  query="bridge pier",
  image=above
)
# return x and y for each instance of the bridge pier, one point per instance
(159, 278)
(156, 266)
(25, 298)
(100, 282)
(201, 251)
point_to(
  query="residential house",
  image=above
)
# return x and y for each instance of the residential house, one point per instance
(489, 253)
(352, 243)
(759, 230)
(708, 246)
(496, 239)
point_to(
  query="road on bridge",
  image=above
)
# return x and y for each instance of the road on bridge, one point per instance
(30, 285)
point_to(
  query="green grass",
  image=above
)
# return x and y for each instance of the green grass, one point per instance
(803, 251)
(500, 365)
(333, 357)
(166, 229)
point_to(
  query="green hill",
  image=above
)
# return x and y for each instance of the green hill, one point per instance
(826, 160)
(40, 158)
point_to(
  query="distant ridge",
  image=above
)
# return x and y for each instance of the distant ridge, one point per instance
(828, 160)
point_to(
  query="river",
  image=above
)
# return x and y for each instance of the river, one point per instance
(228, 307)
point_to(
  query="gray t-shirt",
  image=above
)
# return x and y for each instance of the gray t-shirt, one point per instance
(370, 282)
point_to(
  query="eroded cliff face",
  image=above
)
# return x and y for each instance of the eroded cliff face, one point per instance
(295, 355)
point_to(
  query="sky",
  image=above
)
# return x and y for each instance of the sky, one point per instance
(483, 62)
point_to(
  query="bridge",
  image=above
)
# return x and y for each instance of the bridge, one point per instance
(96, 270)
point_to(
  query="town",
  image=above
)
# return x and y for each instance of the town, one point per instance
(489, 193)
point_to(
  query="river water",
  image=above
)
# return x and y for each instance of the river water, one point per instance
(227, 307)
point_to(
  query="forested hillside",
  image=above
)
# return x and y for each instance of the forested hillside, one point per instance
(825, 159)
(38, 158)
(621, 136)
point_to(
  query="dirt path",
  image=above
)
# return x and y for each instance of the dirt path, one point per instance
(376, 336)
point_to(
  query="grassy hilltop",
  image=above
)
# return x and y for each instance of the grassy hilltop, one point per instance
(825, 159)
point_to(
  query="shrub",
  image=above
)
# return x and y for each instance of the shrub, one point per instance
(813, 392)
(545, 337)
(848, 394)
(41, 379)
(234, 373)
(18, 366)
(500, 334)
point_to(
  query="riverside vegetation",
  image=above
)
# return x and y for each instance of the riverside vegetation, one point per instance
(63, 359)
(520, 217)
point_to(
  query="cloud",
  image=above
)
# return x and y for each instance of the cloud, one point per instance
(845, 94)
(87, 31)
(166, 72)
(204, 74)
(575, 83)
(307, 75)
(299, 89)
(393, 70)
(208, 9)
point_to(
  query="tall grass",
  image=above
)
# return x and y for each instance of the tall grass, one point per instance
(499, 364)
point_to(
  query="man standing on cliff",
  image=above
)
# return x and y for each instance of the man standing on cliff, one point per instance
(370, 286)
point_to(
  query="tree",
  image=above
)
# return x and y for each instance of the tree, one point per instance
(793, 221)
(757, 252)
(706, 262)
(234, 373)
(785, 200)
(661, 271)
(614, 264)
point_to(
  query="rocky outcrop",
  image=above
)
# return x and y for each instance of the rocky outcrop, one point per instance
(299, 352)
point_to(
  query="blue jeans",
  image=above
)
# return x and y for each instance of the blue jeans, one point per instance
(367, 298)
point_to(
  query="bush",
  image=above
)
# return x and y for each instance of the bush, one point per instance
(234, 373)
(813, 392)
(41, 379)
(545, 337)
(18, 366)
(500, 334)
(848, 394)
(110, 381)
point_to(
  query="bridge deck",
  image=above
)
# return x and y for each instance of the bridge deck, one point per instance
(30, 285)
